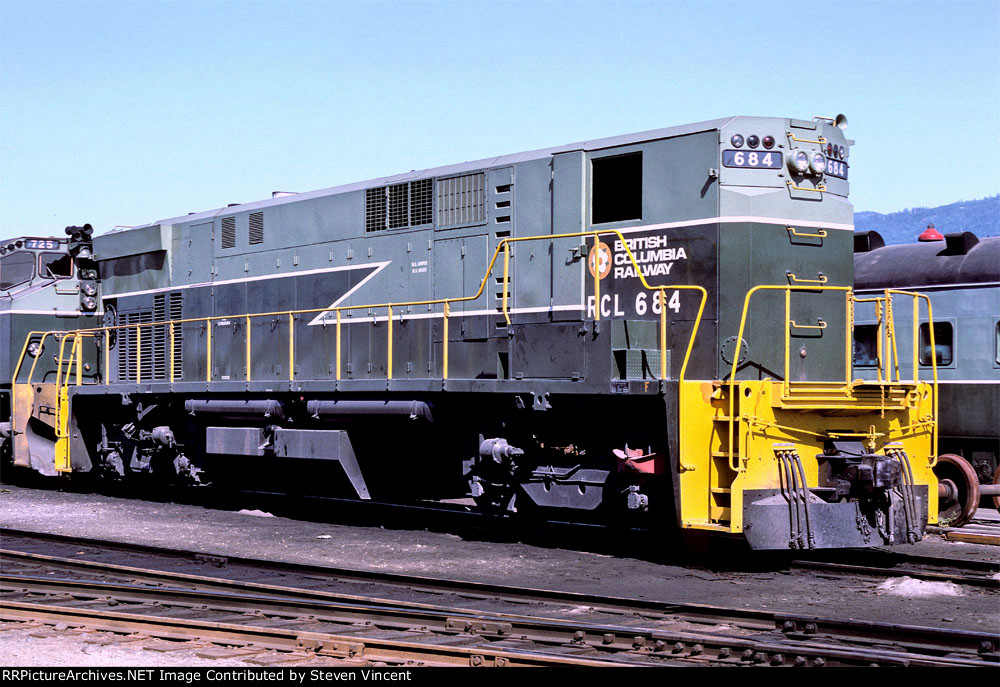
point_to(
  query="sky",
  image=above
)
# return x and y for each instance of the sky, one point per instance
(124, 113)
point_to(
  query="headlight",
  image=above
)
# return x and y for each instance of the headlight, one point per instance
(817, 163)
(797, 161)
(88, 288)
(35, 349)
(89, 303)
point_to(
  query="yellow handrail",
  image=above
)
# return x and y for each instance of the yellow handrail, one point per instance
(503, 245)
(821, 234)
(820, 141)
(820, 188)
(792, 279)
(850, 299)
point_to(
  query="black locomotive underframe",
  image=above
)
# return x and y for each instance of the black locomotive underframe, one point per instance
(567, 436)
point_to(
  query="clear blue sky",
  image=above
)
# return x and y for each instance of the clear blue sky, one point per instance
(121, 113)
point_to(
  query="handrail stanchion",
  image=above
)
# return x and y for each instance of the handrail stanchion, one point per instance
(848, 340)
(880, 334)
(78, 356)
(107, 356)
(338, 344)
(785, 391)
(916, 339)
(208, 350)
(444, 362)
(506, 272)
(597, 281)
(291, 347)
(388, 364)
(138, 354)
(171, 325)
(248, 347)
(662, 293)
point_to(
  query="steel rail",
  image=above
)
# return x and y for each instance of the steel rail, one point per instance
(323, 644)
(630, 643)
(800, 628)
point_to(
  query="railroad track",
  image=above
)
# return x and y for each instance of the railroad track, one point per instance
(877, 563)
(977, 531)
(562, 629)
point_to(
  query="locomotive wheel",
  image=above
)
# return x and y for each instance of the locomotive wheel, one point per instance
(959, 500)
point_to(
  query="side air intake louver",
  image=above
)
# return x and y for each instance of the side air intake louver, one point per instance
(256, 228)
(228, 232)
(149, 347)
(461, 200)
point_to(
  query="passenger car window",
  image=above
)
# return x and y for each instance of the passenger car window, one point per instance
(866, 345)
(943, 342)
(16, 269)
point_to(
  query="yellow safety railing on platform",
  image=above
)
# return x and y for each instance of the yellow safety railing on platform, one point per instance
(504, 246)
(886, 332)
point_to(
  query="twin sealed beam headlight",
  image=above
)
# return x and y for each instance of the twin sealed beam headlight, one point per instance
(817, 163)
(802, 162)
(797, 161)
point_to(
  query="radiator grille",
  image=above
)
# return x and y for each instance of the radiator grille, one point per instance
(461, 200)
(399, 205)
(375, 209)
(256, 228)
(228, 232)
(421, 202)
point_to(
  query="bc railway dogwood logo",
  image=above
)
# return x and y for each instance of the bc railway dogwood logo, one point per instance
(599, 260)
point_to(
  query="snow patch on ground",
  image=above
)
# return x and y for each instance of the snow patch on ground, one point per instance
(909, 587)
(255, 513)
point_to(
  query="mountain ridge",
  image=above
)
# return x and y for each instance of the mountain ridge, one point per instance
(981, 217)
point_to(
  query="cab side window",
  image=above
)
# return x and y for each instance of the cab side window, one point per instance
(58, 265)
(616, 188)
(16, 269)
(866, 345)
(943, 343)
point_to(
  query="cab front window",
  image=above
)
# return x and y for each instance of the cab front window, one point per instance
(16, 269)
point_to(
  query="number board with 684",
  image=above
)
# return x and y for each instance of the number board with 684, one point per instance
(754, 159)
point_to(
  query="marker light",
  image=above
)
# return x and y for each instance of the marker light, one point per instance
(797, 161)
(753, 141)
(737, 141)
(769, 142)
(843, 153)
